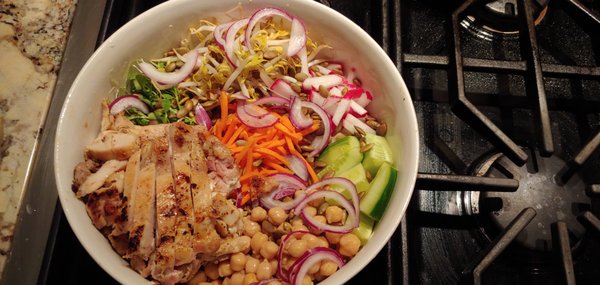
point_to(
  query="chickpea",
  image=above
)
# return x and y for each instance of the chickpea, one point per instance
(198, 278)
(323, 241)
(251, 265)
(225, 269)
(334, 214)
(299, 228)
(274, 265)
(258, 214)
(310, 210)
(237, 261)
(250, 278)
(314, 269)
(212, 271)
(269, 250)
(257, 241)
(277, 215)
(264, 270)
(307, 280)
(274, 282)
(298, 193)
(237, 278)
(297, 221)
(297, 247)
(226, 281)
(333, 238)
(311, 240)
(320, 219)
(349, 244)
(267, 227)
(316, 202)
(327, 268)
(205, 283)
(251, 228)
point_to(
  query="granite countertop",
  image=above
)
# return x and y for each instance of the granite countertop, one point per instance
(32, 39)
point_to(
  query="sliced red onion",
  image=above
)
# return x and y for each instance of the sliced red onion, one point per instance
(350, 123)
(297, 117)
(171, 77)
(263, 121)
(230, 40)
(351, 222)
(125, 102)
(340, 111)
(219, 31)
(284, 241)
(201, 116)
(297, 37)
(287, 186)
(357, 110)
(327, 81)
(272, 100)
(320, 142)
(298, 166)
(255, 110)
(256, 17)
(283, 89)
(311, 257)
(339, 181)
(238, 198)
(264, 282)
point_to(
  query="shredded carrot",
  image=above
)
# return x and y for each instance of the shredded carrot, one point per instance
(264, 150)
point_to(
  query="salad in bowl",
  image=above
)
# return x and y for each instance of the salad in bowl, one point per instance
(246, 145)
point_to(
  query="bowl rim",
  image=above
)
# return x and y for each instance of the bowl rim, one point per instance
(391, 221)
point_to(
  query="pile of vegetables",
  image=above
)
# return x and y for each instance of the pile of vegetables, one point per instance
(270, 94)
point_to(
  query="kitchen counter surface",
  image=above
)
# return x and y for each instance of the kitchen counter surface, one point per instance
(32, 39)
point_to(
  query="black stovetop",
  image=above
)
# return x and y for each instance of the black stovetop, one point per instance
(489, 95)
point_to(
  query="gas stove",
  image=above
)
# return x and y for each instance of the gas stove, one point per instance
(508, 103)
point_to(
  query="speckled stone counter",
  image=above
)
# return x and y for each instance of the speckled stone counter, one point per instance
(32, 38)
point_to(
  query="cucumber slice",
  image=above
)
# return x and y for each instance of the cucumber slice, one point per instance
(378, 154)
(340, 155)
(365, 229)
(373, 204)
(357, 175)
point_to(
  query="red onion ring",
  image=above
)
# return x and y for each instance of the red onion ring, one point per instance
(286, 183)
(297, 118)
(218, 33)
(284, 241)
(202, 117)
(230, 40)
(298, 166)
(125, 102)
(272, 100)
(319, 143)
(249, 120)
(256, 17)
(297, 37)
(342, 182)
(171, 77)
(352, 221)
(311, 257)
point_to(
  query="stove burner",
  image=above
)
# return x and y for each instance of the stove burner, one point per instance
(539, 189)
(499, 19)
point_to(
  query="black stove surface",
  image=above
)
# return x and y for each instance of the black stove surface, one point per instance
(453, 219)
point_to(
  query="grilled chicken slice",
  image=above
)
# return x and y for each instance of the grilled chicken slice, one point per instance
(103, 205)
(162, 261)
(141, 235)
(180, 140)
(206, 240)
(112, 145)
(95, 180)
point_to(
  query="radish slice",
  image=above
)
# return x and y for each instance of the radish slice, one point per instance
(357, 110)
(327, 81)
(283, 89)
(256, 17)
(263, 121)
(230, 40)
(201, 116)
(125, 102)
(350, 123)
(335, 91)
(311, 257)
(297, 165)
(319, 143)
(303, 60)
(316, 98)
(340, 111)
(171, 77)
(364, 99)
(330, 104)
(297, 117)
(297, 37)
(219, 31)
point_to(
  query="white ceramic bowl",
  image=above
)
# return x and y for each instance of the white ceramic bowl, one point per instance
(162, 27)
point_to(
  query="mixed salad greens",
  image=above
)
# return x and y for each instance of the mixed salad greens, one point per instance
(282, 106)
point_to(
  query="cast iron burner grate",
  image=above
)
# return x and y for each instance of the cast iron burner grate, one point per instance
(541, 214)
